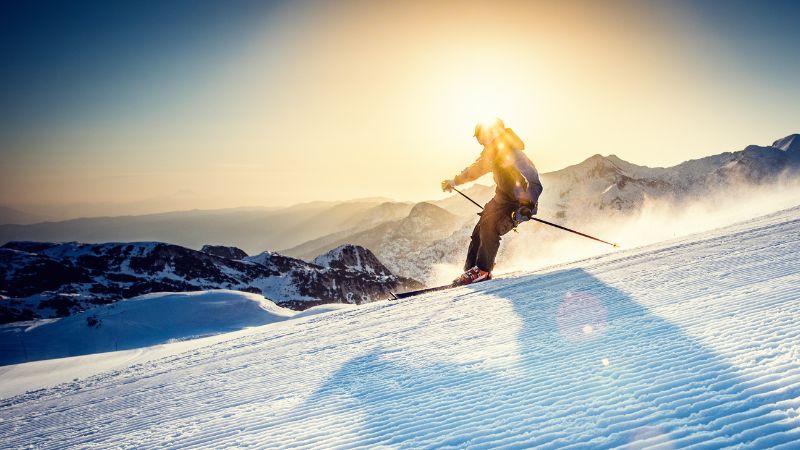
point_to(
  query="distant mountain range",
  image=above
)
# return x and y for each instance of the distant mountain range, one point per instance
(251, 229)
(15, 216)
(608, 183)
(41, 280)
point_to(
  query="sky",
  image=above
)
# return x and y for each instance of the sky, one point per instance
(115, 107)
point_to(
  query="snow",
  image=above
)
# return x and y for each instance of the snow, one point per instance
(789, 143)
(691, 343)
(74, 250)
(336, 254)
(138, 322)
(351, 257)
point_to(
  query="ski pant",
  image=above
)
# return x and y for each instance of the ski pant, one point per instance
(495, 221)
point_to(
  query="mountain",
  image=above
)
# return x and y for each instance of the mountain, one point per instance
(686, 344)
(55, 280)
(392, 242)
(224, 251)
(790, 144)
(610, 184)
(15, 216)
(460, 206)
(251, 229)
(598, 184)
(353, 258)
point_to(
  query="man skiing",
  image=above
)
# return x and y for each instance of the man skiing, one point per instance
(515, 200)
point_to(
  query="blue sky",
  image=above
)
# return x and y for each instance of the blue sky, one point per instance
(65, 58)
(123, 101)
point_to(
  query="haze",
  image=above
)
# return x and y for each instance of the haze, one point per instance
(177, 105)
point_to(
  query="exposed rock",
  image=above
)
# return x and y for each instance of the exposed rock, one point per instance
(352, 257)
(224, 251)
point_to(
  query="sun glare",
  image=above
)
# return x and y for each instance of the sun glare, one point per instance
(476, 96)
(482, 99)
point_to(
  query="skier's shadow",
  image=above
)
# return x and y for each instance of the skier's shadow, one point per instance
(592, 367)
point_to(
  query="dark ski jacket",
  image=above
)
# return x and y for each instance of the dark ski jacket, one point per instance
(515, 175)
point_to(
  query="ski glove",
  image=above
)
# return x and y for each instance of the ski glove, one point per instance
(448, 185)
(522, 214)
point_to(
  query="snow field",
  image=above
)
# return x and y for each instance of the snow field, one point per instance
(138, 322)
(691, 343)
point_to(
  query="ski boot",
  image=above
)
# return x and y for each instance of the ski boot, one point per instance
(473, 275)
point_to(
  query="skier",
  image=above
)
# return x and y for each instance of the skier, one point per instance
(515, 200)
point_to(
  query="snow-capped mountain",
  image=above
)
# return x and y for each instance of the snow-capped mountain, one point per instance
(53, 280)
(790, 144)
(634, 349)
(395, 242)
(353, 258)
(608, 183)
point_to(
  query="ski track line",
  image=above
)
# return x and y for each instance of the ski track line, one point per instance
(701, 335)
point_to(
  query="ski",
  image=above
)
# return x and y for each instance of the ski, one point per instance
(420, 291)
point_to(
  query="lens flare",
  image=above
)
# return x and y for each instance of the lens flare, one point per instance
(580, 317)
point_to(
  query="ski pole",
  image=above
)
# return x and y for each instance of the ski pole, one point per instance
(466, 197)
(544, 222)
(573, 231)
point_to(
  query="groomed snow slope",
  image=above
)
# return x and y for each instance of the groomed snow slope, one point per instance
(693, 343)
